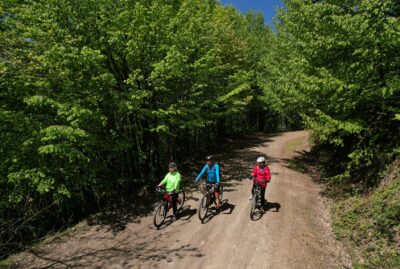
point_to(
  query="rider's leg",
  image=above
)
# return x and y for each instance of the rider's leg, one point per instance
(217, 199)
(174, 200)
(263, 195)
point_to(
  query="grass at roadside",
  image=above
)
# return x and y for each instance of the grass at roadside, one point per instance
(5, 264)
(371, 225)
(368, 224)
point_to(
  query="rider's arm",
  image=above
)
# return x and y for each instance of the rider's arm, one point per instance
(177, 182)
(201, 173)
(217, 172)
(164, 181)
(254, 172)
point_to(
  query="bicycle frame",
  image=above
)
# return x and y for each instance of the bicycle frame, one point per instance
(210, 192)
(257, 193)
(207, 199)
(167, 199)
(166, 204)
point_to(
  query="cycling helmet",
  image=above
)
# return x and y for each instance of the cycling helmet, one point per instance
(172, 165)
(260, 159)
(209, 158)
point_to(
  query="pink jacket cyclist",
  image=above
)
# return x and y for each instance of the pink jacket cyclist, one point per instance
(262, 175)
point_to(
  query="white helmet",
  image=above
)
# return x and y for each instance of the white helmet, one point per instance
(260, 159)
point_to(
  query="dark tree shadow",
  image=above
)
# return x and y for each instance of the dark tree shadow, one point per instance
(117, 217)
(237, 157)
(125, 252)
(300, 163)
(320, 167)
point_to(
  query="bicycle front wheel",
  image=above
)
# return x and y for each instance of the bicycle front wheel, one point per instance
(203, 208)
(253, 203)
(181, 200)
(221, 193)
(160, 215)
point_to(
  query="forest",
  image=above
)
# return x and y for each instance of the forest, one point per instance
(97, 96)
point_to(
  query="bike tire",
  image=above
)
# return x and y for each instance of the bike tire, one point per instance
(253, 206)
(181, 200)
(160, 215)
(203, 208)
(221, 193)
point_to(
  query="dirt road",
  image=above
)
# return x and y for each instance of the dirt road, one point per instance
(296, 236)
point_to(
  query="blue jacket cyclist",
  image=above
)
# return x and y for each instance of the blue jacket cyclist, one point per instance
(213, 176)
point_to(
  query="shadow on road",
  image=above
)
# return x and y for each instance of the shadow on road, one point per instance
(300, 163)
(117, 217)
(268, 206)
(187, 213)
(226, 209)
(127, 253)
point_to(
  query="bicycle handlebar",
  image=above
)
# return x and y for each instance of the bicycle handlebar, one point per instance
(163, 191)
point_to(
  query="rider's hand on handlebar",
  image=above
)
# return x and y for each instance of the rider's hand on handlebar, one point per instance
(159, 188)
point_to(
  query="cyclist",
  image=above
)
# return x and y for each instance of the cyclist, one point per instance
(213, 174)
(172, 181)
(261, 176)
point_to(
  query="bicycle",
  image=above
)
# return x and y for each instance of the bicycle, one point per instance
(255, 202)
(208, 199)
(165, 205)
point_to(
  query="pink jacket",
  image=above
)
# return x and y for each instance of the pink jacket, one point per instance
(261, 175)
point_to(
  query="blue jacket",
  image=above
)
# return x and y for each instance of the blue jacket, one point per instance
(212, 171)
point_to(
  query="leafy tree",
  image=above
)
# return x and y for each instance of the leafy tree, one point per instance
(98, 95)
(335, 62)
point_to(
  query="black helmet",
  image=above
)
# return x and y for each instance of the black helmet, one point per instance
(172, 165)
(209, 158)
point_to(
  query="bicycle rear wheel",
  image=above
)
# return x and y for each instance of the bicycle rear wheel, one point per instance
(160, 215)
(203, 208)
(221, 193)
(181, 200)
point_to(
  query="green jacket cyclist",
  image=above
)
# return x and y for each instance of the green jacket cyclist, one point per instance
(172, 181)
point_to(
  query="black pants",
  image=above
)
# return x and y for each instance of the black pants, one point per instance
(262, 193)
(174, 200)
